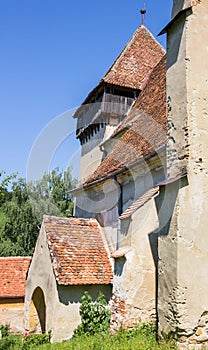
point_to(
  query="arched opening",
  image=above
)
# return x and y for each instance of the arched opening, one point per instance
(37, 312)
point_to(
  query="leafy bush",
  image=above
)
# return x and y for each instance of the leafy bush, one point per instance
(16, 342)
(4, 328)
(34, 340)
(95, 315)
(11, 342)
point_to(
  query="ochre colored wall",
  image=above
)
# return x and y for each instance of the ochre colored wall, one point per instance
(12, 313)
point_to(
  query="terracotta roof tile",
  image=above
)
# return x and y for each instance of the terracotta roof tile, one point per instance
(147, 127)
(77, 251)
(140, 55)
(139, 203)
(134, 64)
(13, 276)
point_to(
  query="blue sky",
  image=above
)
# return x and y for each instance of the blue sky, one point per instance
(53, 52)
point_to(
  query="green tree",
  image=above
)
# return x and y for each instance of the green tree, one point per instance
(24, 204)
(4, 192)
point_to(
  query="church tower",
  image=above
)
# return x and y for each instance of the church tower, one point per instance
(183, 239)
(110, 101)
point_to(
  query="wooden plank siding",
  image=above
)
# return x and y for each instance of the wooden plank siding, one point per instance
(98, 112)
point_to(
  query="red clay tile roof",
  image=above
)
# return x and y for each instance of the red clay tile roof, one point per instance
(13, 276)
(77, 251)
(138, 58)
(134, 64)
(147, 127)
(139, 203)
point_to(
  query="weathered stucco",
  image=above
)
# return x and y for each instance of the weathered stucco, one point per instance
(12, 313)
(134, 283)
(183, 253)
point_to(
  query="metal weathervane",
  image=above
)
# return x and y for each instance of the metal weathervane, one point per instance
(143, 12)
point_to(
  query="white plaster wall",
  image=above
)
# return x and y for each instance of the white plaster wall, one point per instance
(91, 154)
(41, 275)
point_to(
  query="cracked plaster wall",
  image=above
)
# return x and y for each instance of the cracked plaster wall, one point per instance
(134, 283)
(183, 250)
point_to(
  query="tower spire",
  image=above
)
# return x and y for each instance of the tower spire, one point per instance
(143, 12)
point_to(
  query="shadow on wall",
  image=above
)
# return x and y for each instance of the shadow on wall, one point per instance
(165, 204)
(180, 23)
(119, 266)
(72, 294)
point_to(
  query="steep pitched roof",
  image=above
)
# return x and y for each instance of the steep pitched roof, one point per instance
(13, 276)
(134, 63)
(77, 251)
(139, 56)
(146, 127)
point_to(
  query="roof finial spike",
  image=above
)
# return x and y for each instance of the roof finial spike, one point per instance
(143, 12)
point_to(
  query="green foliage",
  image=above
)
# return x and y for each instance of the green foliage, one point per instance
(4, 192)
(16, 342)
(33, 341)
(22, 206)
(4, 328)
(95, 316)
(135, 339)
(11, 342)
(51, 194)
(140, 338)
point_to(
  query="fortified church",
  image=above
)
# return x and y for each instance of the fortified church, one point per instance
(139, 231)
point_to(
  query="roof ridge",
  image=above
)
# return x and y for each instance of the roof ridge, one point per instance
(121, 54)
(127, 47)
(15, 257)
(154, 38)
(67, 218)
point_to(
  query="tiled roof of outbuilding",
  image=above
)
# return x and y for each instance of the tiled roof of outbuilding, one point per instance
(13, 272)
(77, 250)
(147, 127)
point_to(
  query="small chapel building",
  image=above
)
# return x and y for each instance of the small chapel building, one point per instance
(70, 257)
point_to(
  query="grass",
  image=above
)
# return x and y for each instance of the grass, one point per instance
(139, 339)
(106, 342)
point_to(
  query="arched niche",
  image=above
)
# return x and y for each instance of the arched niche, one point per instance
(37, 312)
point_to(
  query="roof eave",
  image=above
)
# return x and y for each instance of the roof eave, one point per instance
(174, 19)
(86, 284)
(11, 297)
(117, 172)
